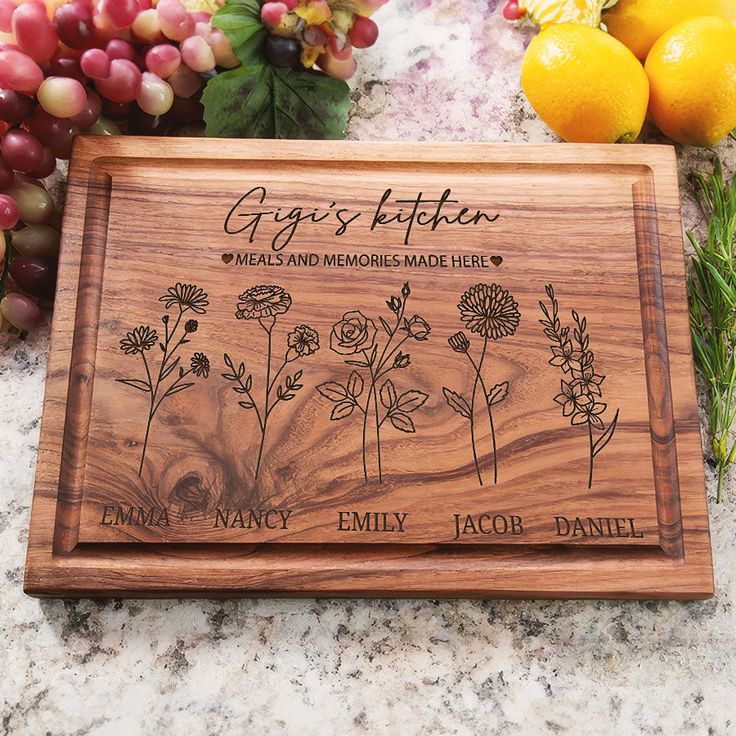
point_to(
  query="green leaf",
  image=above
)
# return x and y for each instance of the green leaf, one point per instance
(240, 21)
(261, 101)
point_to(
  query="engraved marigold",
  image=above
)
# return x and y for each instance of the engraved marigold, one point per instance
(489, 310)
(186, 297)
(263, 301)
(200, 365)
(138, 340)
(302, 340)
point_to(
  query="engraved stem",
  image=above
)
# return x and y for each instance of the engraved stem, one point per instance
(472, 409)
(265, 405)
(490, 413)
(591, 456)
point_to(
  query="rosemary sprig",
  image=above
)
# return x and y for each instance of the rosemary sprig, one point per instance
(712, 288)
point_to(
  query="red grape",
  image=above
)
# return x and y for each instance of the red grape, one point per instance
(273, 12)
(7, 175)
(338, 68)
(147, 26)
(95, 64)
(21, 311)
(124, 82)
(363, 33)
(73, 24)
(34, 32)
(37, 276)
(197, 55)
(163, 60)
(66, 66)
(176, 23)
(15, 107)
(89, 114)
(21, 150)
(119, 13)
(19, 72)
(6, 15)
(8, 212)
(47, 167)
(118, 48)
(51, 131)
(185, 82)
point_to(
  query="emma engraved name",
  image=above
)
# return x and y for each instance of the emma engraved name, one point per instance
(252, 211)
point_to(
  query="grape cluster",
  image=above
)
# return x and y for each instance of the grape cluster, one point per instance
(320, 33)
(97, 66)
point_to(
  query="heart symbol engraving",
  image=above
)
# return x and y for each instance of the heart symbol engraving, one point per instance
(227, 257)
(495, 260)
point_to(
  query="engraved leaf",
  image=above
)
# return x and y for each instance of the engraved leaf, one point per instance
(456, 402)
(176, 389)
(135, 383)
(355, 384)
(359, 363)
(170, 368)
(385, 326)
(498, 393)
(411, 400)
(342, 410)
(388, 394)
(333, 391)
(246, 404)
(249, 383)
(402, 422)
(606, 437)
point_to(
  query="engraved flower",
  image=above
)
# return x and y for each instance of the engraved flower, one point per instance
(138, 340)
(418, 328)
(572, 398)
(489, 310)
(200, 365)
(588, 380)
(394, 304)
(186, 297)
(191, 326)
(263, 301)
(590, 414)
(459, 342)
(562, 355)
(302, 340)
(353, 333)
(402, 360)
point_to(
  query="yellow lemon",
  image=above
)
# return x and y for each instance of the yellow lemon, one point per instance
(587, 86)
(692, 74)
(639, 23)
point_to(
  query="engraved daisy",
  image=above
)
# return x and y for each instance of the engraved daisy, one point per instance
(186, 297)
(138, 340)
(200, 365)
(489, 310)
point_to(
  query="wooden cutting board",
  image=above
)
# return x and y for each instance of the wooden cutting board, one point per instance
(370, 369)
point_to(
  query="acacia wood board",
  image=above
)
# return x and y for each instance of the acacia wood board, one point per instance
(373, 369)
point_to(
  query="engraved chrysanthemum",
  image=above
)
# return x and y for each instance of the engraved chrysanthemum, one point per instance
(489, 310)
(265, 300)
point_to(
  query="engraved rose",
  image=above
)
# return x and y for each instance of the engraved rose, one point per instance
(352, 334)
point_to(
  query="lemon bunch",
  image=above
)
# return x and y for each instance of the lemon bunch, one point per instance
(673, 58)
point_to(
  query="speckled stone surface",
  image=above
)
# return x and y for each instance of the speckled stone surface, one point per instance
(442, 70)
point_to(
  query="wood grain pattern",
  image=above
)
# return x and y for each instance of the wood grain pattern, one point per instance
(600, 224)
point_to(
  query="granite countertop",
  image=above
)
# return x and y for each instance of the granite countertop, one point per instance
(442, 70)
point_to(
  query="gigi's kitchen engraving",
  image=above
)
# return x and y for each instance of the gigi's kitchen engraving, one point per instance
(581, 396)
(264, 304)
(184, 298)
(491, 312)
(356, 335)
